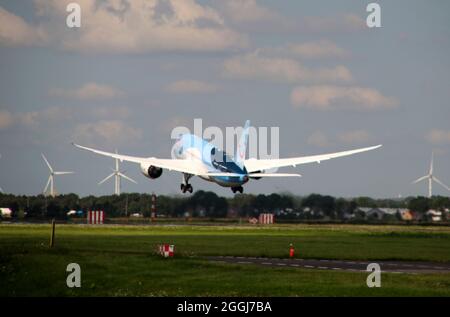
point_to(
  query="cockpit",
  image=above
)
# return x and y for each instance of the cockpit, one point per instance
(223, 162)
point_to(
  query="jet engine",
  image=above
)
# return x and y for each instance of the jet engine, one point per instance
(151, 171)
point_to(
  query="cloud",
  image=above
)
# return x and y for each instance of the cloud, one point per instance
(354, 137)
(109, 132)
(251, 15)
(141, 26)
(191, 86)
(318, 139)
(62, 124)
(348, 22)
(339, 97)
(6, 119)
(255, 66)
(14, 31)
(59, 115)
(436, 136)
(89, 91)
(317, 49)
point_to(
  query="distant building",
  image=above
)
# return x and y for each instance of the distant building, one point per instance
(5, 212)
(434, 215)
(406, 214)
(375, 214)
(384, 213)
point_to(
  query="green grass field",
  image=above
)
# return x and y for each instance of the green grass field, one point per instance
(120, 260)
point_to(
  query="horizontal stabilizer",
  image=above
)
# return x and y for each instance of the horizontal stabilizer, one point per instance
(223, 174)
(273, 175)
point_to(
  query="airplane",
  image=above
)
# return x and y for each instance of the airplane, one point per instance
(195, 156)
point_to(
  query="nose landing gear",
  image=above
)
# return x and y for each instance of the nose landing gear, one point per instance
(185, 186)
(239, 189)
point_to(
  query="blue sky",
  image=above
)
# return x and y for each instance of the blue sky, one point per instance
(135, 70)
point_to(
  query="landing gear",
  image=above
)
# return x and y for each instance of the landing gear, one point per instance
(239, 189)
(185, 186)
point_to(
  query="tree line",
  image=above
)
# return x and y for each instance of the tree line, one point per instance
(208, 204)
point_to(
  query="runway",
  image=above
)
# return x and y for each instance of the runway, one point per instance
(338, 265)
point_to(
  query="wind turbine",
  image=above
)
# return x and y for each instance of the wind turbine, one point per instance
(51, 178)
(431, 178)
(117, 174)
(1, 190)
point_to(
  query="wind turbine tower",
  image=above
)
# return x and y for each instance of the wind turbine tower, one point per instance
(118, 175)
(431, 178)
(51, 178)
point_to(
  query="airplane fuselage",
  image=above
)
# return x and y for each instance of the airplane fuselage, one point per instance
(212, 159)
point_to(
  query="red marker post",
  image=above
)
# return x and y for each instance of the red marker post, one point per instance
(291, 251)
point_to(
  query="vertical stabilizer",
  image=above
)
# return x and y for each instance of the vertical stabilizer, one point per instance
(242, 146)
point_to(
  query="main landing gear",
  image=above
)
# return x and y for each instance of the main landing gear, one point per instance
(185, 186)
(237, 189)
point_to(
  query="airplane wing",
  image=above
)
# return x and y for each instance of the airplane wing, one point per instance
(254, 165)
(183, 166)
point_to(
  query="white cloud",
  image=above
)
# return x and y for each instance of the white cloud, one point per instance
(255, 66)
(332, 24)
(191, 86)
(251, 15)
(15, 31)
(317, 49)
(60, 115)
(6, 119)
(109, 132)
(61, 125)
(318, 139)
(437, 136)
(89, 91)
(339, 97)
(354, 137)
(141, 26)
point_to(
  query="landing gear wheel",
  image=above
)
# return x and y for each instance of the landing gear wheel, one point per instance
(186, 188)
(239, 189)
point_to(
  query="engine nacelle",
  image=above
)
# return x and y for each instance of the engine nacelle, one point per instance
(151, 171)
(256, 178)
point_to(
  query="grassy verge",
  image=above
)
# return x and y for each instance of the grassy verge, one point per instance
(118, 260)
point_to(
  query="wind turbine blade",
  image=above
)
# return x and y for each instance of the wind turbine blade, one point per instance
(1, 190)
(441, 183)
(127, 178)
(48, 164)
(63, 173)
(107, 177)
(420, 179)
(431, 163)
(48, 184)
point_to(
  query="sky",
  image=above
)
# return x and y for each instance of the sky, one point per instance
(135, 70)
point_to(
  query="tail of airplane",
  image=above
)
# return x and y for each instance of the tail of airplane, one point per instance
(242, 146)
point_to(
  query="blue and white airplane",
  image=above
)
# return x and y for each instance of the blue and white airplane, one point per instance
(195, 156)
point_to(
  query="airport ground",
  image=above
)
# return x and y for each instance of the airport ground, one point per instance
(120, 260)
